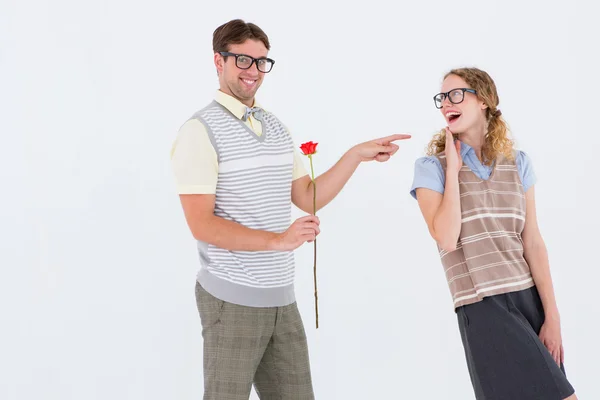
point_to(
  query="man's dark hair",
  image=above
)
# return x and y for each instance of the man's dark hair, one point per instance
(237, 31)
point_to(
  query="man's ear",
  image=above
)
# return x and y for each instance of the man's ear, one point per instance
(219, 63)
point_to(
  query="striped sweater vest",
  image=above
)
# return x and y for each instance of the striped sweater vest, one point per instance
(253, 189)
(489, 257)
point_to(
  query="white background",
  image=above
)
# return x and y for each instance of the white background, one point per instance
(97, 264)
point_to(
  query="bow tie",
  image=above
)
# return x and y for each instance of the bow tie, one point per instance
(257, 112)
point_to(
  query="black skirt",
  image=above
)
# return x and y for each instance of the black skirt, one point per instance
(505, 357)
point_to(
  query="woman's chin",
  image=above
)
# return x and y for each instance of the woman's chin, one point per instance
(455, 125)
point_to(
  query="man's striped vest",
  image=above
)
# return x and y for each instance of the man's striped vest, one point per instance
(253, 189)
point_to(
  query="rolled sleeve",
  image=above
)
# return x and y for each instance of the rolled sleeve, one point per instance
(194, 160)
(299, 169)
(526, 171)
(428, 174)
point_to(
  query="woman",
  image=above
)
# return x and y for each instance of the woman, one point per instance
(476, 195)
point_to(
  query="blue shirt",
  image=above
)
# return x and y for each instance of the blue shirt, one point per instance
(430, 174)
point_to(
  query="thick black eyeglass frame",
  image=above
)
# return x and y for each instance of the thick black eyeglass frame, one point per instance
(254, 60)
(447, 96)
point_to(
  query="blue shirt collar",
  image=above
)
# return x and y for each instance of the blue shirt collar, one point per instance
(465, 149)
(468, 153)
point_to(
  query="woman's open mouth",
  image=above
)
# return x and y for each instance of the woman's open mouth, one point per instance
(452, 116)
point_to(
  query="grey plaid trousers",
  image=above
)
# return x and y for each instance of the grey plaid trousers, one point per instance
(245, 346)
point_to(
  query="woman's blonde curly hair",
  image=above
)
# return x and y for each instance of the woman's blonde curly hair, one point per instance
(497, 139)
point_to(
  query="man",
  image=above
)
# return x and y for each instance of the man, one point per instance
(237, 172)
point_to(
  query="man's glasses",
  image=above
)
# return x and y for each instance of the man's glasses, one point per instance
(455, 96)
(243, 61)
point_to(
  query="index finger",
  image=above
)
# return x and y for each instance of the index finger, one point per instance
(309, 218)
(392, 138)
(562, 354)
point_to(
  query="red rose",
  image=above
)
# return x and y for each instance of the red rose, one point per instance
(309, 148)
